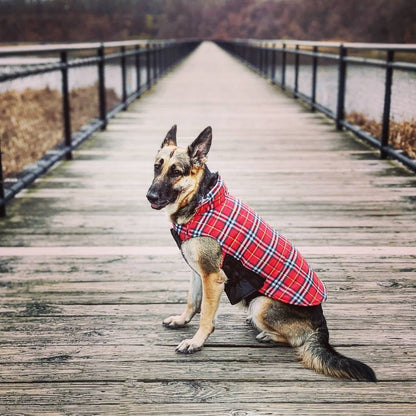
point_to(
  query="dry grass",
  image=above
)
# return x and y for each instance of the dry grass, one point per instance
(402, 134)
(31, 122)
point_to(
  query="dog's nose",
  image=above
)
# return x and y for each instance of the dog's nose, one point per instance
(152, 196)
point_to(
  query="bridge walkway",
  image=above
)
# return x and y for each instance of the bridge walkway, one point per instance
(88, 271)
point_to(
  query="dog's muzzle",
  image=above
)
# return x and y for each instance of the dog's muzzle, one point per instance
(155, 202)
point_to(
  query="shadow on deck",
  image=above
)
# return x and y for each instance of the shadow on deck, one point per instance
(88, 271)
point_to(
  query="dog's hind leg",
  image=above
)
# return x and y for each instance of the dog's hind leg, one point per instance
(193, 304)
(268, 316)
(305, 328)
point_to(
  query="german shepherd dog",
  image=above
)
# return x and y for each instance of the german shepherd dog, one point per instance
(181, 181)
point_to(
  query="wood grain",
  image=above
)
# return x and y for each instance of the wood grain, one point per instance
(88, 271)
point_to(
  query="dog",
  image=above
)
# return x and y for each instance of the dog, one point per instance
(229, 247)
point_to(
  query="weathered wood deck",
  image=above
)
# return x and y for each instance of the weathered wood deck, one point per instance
(88, 271)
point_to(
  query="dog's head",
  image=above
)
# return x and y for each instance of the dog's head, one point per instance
(178, 171)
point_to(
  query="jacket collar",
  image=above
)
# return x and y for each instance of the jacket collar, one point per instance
(215, 196)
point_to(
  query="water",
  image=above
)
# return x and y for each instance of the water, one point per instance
(364, 89)
(364, 85)
(78, 77)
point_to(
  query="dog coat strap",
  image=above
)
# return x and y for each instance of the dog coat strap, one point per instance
(176, 237)
(241, 282)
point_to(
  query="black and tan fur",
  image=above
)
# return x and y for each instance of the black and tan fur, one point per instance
(181, 179)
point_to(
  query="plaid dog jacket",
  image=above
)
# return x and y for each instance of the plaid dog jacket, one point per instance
(284, 273)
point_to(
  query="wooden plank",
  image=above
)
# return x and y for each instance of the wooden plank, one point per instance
(88, 371)
(45, 315)
(154, 258)
(178, 392)
(154, 362)
(267, 409)
(247, 392)
(78, 297)
(391, 287)
(223, 336)
(342, 313)
(19, 353)
(209, 409)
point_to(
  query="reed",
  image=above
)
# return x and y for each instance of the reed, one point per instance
(402, 134)
(31, 122)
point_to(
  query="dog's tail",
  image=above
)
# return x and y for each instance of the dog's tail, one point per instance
(318, 355)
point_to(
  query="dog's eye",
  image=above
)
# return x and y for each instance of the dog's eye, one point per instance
(175, 172)
(158, 166)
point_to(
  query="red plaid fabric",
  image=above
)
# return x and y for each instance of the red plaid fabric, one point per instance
(261, 249)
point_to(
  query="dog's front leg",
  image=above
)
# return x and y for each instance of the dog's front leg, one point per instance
(213, 285)
(193, 305)
(204, 255)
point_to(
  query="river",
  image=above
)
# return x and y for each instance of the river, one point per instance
(364, 85)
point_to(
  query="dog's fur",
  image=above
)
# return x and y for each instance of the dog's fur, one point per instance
(181, 179)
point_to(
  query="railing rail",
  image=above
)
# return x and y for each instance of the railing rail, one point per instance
(154, 58)
(268, 56)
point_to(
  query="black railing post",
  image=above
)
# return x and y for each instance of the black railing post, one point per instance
(296, 86)
(168, 56)
(253, 55)
(261, 66)
(385, 132)
(266, 61)
(137, 64)
(123, 77)
(273, 64)
(156, 62)
(283, 83)
(175, 54)
(66, 109)
(2, 194)
(341, 86)
(101, 87)
(178, 52)
(314, 75)
(153, 57)
(258, 58)
(162, 58)
(148, 66)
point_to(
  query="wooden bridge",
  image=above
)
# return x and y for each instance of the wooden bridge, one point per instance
(88, 271)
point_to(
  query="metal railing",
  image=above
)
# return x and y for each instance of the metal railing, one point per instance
(138, 65)
(292, 63)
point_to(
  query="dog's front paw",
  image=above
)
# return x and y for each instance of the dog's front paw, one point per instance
(173, 322)
(188, 346)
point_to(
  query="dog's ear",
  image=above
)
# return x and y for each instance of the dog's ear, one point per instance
(170, 139)
(199, 149)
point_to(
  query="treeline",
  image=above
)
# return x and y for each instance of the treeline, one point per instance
(87, 20)
(78, 20)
